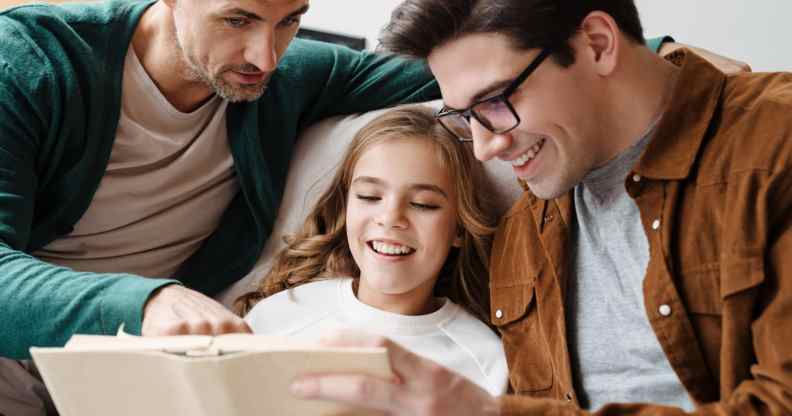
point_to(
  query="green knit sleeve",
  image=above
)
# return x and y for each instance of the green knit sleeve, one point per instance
(337, 80)
(43, 304)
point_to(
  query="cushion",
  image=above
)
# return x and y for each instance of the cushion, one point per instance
(316, 158)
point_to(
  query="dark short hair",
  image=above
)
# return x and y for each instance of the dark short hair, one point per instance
(419, 26)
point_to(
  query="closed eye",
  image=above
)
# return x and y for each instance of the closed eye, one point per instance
(427, 207)
(369, 198)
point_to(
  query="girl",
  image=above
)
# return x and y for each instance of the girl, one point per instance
(396, 246)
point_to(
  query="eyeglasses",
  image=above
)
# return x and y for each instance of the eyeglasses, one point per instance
(496, 113)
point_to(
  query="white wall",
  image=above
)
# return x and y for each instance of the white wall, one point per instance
(758, 32)
(355, 17)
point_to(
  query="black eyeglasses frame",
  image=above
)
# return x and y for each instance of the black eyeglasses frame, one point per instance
(469, 112)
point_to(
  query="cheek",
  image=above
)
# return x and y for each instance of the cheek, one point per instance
(441, 233)
(223, 52)
(192, 32)
(354, 223)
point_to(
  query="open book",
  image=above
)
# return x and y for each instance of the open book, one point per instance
(226, 375)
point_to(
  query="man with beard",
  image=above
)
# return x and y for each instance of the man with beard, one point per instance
(152, 139)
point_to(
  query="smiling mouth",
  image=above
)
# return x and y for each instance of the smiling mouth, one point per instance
(529, 155)
(390, 249)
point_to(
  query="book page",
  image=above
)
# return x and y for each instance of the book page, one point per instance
(230, 343)
(131, 376)
(173, 344)
(196, 345)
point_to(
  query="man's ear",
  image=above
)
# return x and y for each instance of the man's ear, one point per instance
(600, 42)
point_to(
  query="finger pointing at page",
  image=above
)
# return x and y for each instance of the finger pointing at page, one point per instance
(176, 310)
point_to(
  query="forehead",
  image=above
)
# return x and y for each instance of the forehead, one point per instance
(260, 7)
(404, 160)
(467, 65)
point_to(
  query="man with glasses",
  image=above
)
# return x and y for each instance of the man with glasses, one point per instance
(646, 269)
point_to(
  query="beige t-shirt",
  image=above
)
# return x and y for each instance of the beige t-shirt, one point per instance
(168, 182)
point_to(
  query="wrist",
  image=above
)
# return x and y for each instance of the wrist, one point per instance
(492, 407)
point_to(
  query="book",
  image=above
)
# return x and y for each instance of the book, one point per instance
(196, 375)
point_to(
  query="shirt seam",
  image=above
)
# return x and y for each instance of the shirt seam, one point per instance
(467, 350)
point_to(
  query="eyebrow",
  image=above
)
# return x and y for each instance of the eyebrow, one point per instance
(484, 93)
(300, 11)
(252, 16)
(413, 187)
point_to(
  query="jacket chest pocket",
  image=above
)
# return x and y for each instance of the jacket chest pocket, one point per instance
(721, 300)
(708, 288)
(701, 289)
(514, 313)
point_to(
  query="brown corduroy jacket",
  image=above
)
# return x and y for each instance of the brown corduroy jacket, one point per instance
(714, 189)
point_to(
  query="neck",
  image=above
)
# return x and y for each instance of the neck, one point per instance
(155, 44)
(416, 302)
(638, 96)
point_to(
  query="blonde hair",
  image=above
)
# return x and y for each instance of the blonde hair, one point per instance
(320, 249)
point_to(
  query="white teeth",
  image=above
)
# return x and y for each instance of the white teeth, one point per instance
(392, 249)
(529, 155)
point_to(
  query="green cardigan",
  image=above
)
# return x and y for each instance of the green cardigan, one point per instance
(61, 69)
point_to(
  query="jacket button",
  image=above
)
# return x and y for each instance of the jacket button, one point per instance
(656, 224)
(569, 396)
(636, 178)
(664, 310)
(499, 314)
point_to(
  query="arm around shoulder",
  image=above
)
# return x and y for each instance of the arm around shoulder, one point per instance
(340, 80)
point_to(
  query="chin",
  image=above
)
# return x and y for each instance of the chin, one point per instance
(387, 285)
(548, 190)
(384, 285)
(238, 95)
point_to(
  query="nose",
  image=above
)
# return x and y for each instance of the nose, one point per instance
(261, 50)
(486, 144)
(392, 216)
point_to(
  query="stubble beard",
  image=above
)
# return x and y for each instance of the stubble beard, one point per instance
(192, 70)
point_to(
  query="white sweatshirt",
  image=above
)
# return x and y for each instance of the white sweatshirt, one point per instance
(449, 336)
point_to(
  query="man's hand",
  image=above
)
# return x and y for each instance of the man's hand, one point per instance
(727, 65)
(423, 388)
(176, 310)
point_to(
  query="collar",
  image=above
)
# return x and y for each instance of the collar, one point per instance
(671, 154)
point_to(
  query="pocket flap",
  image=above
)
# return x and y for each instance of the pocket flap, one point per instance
(741, 274)
(510, 303)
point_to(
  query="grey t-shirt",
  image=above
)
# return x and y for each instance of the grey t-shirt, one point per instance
(615, 354)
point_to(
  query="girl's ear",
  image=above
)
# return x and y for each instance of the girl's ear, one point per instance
(458, 239)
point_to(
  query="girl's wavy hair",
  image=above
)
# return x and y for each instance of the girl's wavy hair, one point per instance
(320, 249)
